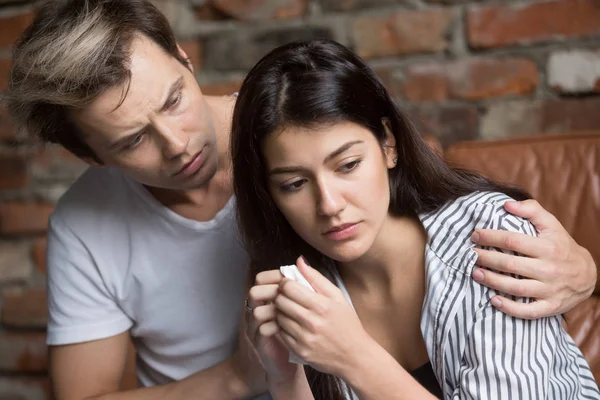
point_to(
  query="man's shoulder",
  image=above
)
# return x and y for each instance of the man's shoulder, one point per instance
(91, 195)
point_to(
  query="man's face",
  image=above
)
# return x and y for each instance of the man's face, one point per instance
(162, 135)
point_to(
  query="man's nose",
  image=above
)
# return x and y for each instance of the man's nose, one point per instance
(173, 140)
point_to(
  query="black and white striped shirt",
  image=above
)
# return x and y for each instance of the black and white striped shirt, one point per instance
(476, 351)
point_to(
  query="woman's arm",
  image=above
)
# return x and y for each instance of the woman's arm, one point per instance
(324, 331)
(285, 380)
(374, 374)
(560, 273)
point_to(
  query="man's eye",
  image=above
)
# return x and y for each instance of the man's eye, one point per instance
(174, 101)
(135, 141)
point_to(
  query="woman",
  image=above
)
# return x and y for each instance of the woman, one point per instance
(326, 166)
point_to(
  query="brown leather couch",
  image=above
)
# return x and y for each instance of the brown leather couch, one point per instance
(563, 174)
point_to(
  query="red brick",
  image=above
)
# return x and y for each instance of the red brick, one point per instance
(402, 33)
(17, 218)
(506, 24)
(25, 388)
(525, 118)
(208, 12)
(448, 124)
(25, 309)
(427, 82)
(193, 49)
(12, 27)
(246, 10)
(386, 74)
(221, 88)
(14, 172)
(51, 155)
(7, 134)
(351, 5)
(38, 251)
(473, 79)
(4, 73)
(23, 352)
(53, 162)
(564, 116)
(15, 261)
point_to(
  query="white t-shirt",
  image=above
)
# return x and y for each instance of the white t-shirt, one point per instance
(119, 260)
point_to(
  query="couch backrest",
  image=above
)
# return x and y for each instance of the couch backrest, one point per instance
(563, 174)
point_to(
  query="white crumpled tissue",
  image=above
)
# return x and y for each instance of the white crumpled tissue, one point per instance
(292, 272)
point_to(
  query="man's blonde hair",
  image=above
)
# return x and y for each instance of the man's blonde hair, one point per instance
(72, 52)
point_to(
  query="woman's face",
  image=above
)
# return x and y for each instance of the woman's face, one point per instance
(331, 184)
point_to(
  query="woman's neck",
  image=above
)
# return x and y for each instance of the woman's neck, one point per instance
(396, 258)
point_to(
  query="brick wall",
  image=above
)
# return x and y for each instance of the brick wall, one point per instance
(464, 70)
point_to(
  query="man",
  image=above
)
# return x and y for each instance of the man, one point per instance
(144, 244)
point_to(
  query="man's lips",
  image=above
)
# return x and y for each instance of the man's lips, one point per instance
(194, 164)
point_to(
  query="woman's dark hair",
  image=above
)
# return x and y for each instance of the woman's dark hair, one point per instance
(311, 84)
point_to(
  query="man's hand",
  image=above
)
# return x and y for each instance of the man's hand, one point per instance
(557, 272)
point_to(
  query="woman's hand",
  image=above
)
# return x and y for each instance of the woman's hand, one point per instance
(321, 328)
(559, 273)
(262, 329)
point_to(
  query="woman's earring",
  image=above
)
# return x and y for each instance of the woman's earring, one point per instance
(395, 160)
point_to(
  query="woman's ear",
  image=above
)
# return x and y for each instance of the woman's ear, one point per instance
(389, 145)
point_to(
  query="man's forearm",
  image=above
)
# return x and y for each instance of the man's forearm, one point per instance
(220, 381)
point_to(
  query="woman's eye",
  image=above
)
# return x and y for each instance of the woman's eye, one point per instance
(292, 187)
(350, 166)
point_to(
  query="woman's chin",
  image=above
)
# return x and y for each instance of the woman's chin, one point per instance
(345, 255)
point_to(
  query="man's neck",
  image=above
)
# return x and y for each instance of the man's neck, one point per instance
(221, 109)
(204, 202)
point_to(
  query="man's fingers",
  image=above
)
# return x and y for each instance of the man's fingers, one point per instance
(512, 241)
(532, 310)
(511, 264)
(512, 286)
(535, 213)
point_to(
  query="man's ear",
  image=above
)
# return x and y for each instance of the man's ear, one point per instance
(185, 57)
(389, 145)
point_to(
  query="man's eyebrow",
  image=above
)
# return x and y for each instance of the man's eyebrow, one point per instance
(175, 87)
(332, 155)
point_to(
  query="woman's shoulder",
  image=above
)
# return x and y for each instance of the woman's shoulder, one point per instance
(472, 207)
(453, 223)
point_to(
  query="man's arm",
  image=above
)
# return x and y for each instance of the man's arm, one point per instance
(94, 370)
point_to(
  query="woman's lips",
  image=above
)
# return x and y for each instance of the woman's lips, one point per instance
(342, 232)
